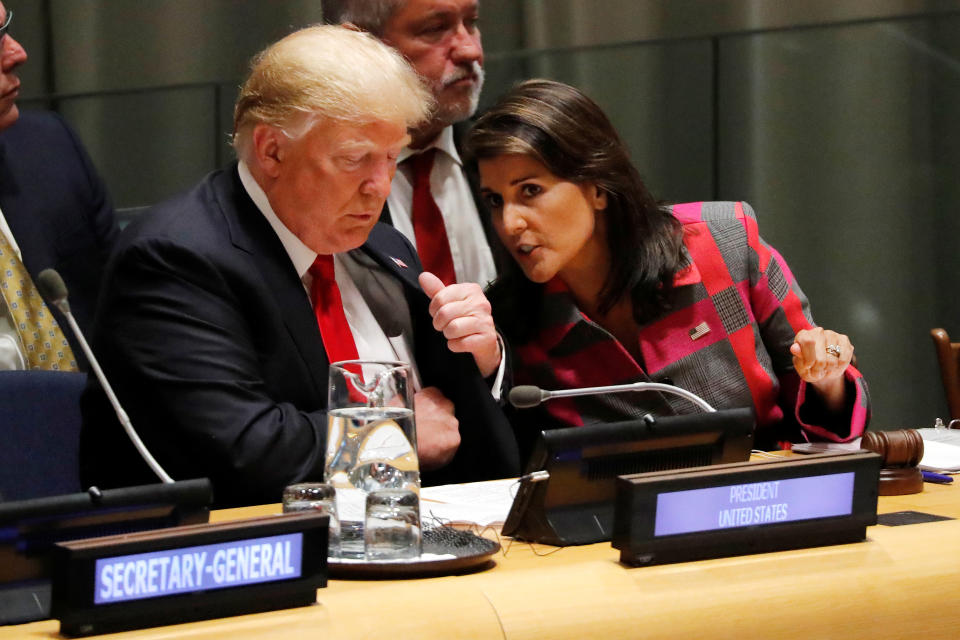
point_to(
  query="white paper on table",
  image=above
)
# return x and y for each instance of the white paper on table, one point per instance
(940, 456)
(482, 503)
(941, 450)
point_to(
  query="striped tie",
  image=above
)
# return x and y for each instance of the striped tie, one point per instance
(44, 344)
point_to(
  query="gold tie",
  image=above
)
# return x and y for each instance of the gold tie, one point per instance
(44, 344)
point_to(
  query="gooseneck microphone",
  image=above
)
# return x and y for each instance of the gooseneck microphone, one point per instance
(526, 396)
(52, 288)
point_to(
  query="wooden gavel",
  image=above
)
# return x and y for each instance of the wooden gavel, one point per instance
(901, 451)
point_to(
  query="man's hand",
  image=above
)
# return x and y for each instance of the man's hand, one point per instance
(438, 430)
(462, 313)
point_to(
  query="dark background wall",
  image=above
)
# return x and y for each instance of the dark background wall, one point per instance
(838, 120)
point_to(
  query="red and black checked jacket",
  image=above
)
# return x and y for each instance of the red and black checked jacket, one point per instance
(736, 311)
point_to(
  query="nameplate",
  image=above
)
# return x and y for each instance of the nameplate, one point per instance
(189, 573)
(747, 507)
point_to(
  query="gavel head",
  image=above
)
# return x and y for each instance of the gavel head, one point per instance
(902, 448)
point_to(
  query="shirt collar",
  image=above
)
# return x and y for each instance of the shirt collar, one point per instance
(444, 142)
(300, 254)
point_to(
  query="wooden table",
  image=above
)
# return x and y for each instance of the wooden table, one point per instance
(903, 581)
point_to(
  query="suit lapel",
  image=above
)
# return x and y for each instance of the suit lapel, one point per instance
(251, 233)
(402, 266)
(27, 224)
(7, 184)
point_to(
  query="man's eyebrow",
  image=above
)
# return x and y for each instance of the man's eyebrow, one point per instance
(433, 14)
(355, 144)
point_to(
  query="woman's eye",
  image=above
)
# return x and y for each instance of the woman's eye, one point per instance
(530, 190)
(493, 200)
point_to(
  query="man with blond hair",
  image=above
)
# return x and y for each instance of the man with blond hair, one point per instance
(435, 202)
(223, 307)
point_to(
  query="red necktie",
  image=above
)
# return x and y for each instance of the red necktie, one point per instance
(328, 307)
(431, 236)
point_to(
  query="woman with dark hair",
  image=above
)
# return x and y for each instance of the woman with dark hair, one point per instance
(608, 287)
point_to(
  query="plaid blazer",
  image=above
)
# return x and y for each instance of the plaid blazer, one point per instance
(736, 311)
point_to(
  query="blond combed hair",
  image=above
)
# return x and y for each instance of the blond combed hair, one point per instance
(327, 72)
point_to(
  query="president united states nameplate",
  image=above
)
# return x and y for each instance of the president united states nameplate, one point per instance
(745, 507)
(189, 573)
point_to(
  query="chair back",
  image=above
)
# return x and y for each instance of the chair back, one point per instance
(39, 433)
(948, 355)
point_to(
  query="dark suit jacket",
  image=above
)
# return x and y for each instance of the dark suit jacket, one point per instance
(57, 209)
(206, 332)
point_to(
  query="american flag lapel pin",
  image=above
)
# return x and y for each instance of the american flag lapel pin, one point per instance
(699, 331)
(400, 263)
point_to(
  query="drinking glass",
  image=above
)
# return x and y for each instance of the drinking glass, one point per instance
(371, 439)
(392, 525)
(315, 496)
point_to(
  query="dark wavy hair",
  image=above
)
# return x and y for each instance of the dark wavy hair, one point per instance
(569, 134)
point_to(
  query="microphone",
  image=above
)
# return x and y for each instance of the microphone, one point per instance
(526, 396)
(52, 288)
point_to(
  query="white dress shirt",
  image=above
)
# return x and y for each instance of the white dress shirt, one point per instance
(11, 350)
(472, 259)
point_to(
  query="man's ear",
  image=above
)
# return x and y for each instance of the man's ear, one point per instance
(269, 148)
